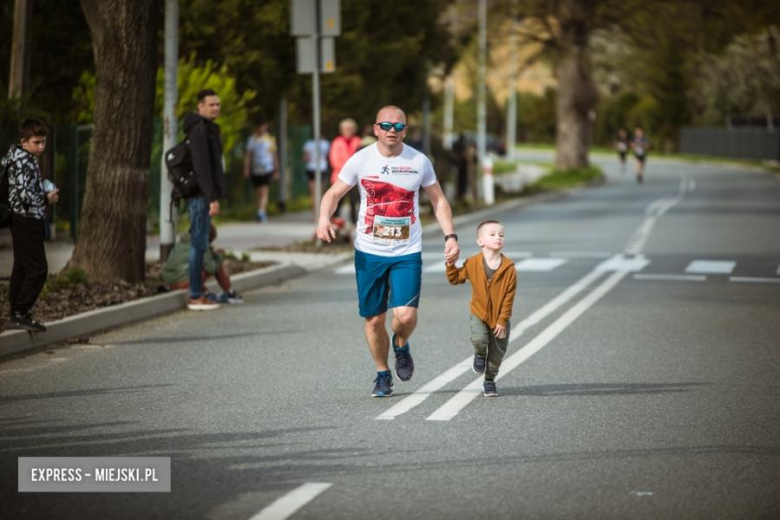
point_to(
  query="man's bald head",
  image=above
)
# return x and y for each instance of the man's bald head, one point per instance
(390, 113)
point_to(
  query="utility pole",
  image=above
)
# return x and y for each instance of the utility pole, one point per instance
(315, 23)
(487, 170)
(511, 105)
(170, 125)
(19, 75)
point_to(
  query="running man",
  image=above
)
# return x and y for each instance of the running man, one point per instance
(388, 243)
(621, 145)
(640, 145)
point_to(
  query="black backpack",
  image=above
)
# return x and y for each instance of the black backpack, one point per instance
(181, 172)
(5, 204)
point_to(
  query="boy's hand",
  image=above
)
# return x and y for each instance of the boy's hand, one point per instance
(53, 196)
(214, 208)
(499, 332)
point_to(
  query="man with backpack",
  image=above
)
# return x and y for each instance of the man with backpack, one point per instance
(205, 145)
(27, 200)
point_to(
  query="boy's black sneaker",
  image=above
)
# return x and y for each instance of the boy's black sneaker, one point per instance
(384, 385)
(479, 364)
(19, 321)
(404, 364)
(490, 389)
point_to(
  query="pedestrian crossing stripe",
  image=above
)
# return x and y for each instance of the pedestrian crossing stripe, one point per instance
(710, 267)
(539, 265)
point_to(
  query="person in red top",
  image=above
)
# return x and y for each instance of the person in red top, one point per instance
(342, 148)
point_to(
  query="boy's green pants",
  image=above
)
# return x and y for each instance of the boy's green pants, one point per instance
(486, 344)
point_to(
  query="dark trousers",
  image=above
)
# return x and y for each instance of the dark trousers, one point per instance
(30, 268)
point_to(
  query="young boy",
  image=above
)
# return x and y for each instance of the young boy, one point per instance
(493, 285)
(28, 200)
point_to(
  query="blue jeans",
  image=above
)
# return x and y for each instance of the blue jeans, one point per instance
(200, 224)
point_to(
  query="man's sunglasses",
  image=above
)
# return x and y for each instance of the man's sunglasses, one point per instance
(386, 126)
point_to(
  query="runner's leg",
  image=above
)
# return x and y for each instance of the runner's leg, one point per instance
(378, 340)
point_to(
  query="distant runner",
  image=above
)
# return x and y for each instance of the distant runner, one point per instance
(640, 145)
(621, 145)
(388, 243)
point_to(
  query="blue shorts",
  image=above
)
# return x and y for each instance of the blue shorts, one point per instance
(384, 282)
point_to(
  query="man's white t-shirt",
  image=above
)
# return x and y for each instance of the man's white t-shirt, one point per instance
(389, 218)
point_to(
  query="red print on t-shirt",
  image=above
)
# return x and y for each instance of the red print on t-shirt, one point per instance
(386, 200)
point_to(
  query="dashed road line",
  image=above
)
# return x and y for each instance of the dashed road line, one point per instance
(672, 277)
(287, 505)
(753, 279)
(539, 265)
(711, 267)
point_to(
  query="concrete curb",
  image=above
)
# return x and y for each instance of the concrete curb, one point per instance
(16, 341)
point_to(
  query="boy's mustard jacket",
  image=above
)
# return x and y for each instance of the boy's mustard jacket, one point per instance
(490, 301)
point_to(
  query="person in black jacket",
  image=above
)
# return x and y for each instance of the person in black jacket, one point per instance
(28, 196)
(206, 149)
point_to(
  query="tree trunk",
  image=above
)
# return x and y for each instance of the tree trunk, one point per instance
(577, 95)
(112, 237)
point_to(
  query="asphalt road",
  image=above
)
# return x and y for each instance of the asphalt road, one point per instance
(642, 380)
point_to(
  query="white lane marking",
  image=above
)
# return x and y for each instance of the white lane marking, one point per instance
(411, 401)
(460, 400)
(439, 267)
(710, 267)
(672, 277)
(657, 209)
(539, 265)
(346, 269)
(517, 254)
(637, 241)
(287, 505)
(751, 279)
(580, 254)
(624, 264)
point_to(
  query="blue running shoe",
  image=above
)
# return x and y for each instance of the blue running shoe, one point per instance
(384, 385)
(479, 364)
(490, 389)
(404, 364)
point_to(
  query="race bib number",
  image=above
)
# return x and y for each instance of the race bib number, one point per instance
(639, 150)
(391, 230)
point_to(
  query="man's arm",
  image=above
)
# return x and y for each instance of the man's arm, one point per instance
(325, 230)
(201, 163)
(443, 212)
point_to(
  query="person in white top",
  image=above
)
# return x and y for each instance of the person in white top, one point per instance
(309, 153)
(388, 243)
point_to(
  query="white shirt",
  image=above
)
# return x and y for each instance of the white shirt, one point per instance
(263, 149)
(309, 150)
(389, 218)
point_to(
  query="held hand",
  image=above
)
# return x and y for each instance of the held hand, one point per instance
(53, 196)
(451, 251)
(325, 231)
(276, 175)
(214, 209)
(499, 332)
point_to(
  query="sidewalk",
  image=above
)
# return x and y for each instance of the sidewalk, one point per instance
(238, 237)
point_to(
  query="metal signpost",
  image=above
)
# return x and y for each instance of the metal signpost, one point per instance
(315, 23)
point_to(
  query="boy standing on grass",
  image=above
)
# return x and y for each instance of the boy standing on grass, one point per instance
(27, 199)
(493, 284)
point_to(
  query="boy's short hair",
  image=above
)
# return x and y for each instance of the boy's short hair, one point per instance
(203, 94)
(32, 128)
(485, 223)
